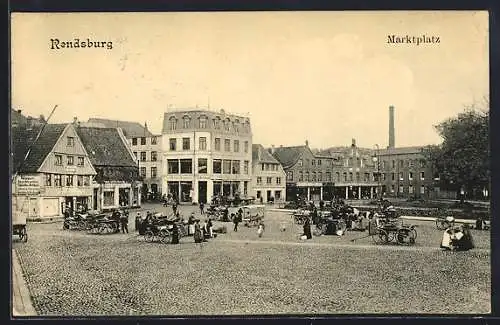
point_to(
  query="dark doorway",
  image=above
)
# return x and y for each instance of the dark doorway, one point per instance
(96, 196)
(268, 198)
(202, 191)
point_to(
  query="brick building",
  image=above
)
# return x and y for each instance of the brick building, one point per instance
(206, 153)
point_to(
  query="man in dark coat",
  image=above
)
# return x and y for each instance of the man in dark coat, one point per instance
(124, 222)
(202, 208)
(237, 219)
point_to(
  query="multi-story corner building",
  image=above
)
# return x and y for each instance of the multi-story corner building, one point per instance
(206, 153)
(146, 147)
(268, 176)
(52, 173)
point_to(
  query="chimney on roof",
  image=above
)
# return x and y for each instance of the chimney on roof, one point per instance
(272, 149)
(307, 143)
(353, 143)
(259, 153)
(391, 127)
(75, 120)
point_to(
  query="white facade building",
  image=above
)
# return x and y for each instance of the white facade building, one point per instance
(206, 153)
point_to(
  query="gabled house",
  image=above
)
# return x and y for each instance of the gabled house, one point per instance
(54, 175)
(146, 147)
(117, 182)
(268, 176)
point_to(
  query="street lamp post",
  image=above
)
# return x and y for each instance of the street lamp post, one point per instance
(377, 159)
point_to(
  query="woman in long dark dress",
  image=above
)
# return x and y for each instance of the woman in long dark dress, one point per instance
(198, 236)
(175, 234)
(307, 229)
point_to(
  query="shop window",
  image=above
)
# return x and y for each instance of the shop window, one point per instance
(226, 167)
(186, 166)
(236, 167)
(217, 166)
(202, 165)
(173, 166)
(109, 198)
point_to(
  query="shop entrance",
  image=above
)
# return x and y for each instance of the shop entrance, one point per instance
(202, 191)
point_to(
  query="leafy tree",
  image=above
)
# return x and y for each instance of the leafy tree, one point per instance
(463, 159)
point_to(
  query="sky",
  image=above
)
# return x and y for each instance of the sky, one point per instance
(325, 77)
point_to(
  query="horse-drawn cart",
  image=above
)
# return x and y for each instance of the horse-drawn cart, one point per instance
(19, 225)
(392, 230)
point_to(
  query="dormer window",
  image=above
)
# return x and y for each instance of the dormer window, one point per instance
(203, 122)
(173, 123)
(236, 126)
(227, 125)
(186, 122)
(216, 123)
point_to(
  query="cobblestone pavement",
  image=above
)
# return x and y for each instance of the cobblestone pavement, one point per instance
(74, 273)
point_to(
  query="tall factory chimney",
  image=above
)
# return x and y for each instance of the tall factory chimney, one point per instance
(391, 127)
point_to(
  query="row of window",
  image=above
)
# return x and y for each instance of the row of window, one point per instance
(202, 145)
(410, 189)
(153, 141)
(217, 122)
(327, 177)
(269, 167)
(404, 163)
(153, 174)
(269, 180)
(402, 174)
(143, 156)
(219, 166)
(59, 180)
(70, 160)
(314, 162)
